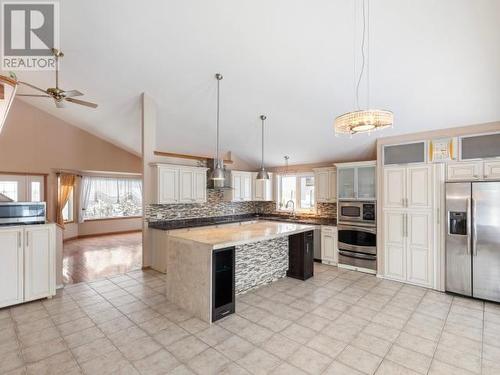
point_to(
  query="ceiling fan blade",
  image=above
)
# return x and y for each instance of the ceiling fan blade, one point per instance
(34, 95)
(33, 87)
(71, 93)
(59, 103)
(82, 102)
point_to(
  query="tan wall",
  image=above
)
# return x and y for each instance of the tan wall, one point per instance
(33, 141)
(490, 127)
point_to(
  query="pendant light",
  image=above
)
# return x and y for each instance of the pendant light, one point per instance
(366, 120)
(218, 171)
(262, 175)
(8, 87)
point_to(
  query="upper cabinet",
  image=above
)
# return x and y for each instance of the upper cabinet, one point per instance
(477, 170)
(325, 180)
(241, 187)
(262, 190)
(408, 187)
(357, 180)
(180, 184)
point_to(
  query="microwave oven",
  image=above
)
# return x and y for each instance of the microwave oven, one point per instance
(22, 213)
(357, 212)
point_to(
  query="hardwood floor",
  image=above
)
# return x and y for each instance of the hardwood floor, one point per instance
(93, 258)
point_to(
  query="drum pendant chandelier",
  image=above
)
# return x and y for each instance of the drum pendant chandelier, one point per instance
(366, 120)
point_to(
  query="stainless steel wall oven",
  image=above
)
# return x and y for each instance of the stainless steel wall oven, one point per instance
(357, 234)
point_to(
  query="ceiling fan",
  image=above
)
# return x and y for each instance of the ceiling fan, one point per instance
(60, 96)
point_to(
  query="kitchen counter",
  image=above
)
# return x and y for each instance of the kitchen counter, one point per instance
(261, 256)
(218, 220)
(227, 236)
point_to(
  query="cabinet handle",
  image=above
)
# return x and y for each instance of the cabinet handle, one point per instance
(27, 239)
(406, 225)
(19, 239)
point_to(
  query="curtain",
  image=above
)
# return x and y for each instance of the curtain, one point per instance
(66, 185)
(105, 197)
(84, 197)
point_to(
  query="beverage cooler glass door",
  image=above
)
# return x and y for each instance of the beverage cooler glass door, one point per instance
(486, 240)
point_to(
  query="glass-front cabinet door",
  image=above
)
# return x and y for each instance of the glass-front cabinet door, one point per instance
(366, 183)
(346, 183)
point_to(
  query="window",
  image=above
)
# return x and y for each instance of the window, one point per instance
(107, 197)
(22, 188)
(68, 209)
(296, 188)
(36, 191)
(9, 189)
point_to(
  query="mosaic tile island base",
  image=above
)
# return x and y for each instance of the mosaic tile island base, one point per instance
(261, 257)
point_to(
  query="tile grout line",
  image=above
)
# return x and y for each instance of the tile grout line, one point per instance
(441, 334)
(401, 330)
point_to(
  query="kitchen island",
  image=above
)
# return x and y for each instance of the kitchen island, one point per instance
(209, 265)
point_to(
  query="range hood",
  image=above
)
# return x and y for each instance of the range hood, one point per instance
(218, 184)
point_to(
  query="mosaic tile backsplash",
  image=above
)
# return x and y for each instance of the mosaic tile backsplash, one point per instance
(216, 206)
(259, 263)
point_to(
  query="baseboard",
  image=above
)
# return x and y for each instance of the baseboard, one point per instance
(102, 234)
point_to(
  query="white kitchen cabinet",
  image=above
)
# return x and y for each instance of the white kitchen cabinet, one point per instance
(180, 184)
(366, 180)
(11, 266)
(39, 262)
(471, 171)
(408, 187)
(395, 187)
(419, 248)
(395, 245)
(492, 170)
(325, 183)
(167, 185)
(329, 245)
(467, 171)
(346, 183)
(247, 187)
(419, 186)
(356, 181)
(408, 246)
(186, 186)
(241, 187)
(200, 185)
(27, 263)
(411, 224)
(262, 190)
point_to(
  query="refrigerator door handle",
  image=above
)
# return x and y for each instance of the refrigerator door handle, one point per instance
(469, 219)
(474, 228)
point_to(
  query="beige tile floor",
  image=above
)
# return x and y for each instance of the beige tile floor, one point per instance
(339, 322)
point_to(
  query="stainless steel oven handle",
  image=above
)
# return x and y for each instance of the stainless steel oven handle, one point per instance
(357, 228)
(357, 255)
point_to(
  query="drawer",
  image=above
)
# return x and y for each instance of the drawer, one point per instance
(361, 261)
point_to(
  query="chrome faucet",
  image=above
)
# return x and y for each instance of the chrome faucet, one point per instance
(293, 206)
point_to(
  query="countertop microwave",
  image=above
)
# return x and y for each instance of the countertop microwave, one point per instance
(22, 213)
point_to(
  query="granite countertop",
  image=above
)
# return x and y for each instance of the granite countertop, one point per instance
(228, 236)
(203, 222)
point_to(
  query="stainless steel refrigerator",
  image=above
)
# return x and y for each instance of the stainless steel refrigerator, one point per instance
(473, 239)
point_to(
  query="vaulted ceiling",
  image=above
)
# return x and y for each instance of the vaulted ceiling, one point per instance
(434, 63)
